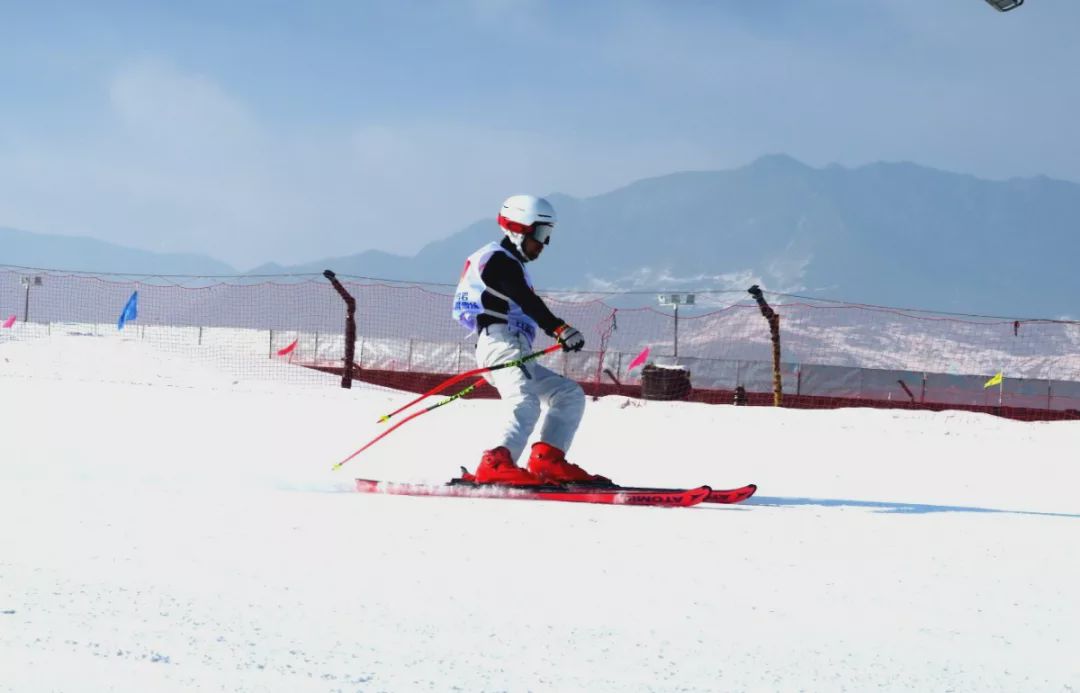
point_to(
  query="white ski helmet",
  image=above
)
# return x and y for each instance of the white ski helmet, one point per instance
(527, 215)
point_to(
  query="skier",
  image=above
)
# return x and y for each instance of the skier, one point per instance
(495, 299)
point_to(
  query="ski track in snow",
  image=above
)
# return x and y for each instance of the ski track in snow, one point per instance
(168, 525)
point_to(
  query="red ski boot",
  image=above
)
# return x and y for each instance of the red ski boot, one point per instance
(549, 463)
(497, 467)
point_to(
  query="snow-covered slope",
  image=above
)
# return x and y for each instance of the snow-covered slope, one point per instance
(186, 533)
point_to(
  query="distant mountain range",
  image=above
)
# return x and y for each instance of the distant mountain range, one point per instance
(82, 254)
(893, 234)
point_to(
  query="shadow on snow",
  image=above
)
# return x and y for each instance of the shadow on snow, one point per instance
(891, 507)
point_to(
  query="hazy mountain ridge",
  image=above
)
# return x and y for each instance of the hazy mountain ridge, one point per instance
(83, 254)
(895, 234)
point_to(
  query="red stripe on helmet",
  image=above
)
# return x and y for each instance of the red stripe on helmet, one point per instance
(513, 226)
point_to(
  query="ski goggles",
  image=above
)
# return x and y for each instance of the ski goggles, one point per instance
(542, 232)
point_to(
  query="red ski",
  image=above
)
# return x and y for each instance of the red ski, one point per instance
(731, 495)
(725, 496)
(664, 497)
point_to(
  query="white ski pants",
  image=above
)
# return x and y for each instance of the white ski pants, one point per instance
(523, 388)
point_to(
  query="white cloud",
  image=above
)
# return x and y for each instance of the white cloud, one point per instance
(182, 165)
(155, 100)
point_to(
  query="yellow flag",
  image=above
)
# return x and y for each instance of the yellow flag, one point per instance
(996, 380)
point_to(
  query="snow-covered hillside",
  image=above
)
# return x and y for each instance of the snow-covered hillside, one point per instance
(168, 523)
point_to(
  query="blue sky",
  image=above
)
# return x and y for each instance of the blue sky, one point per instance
(294, 131)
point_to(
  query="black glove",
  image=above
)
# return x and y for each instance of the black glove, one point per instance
(569, 337)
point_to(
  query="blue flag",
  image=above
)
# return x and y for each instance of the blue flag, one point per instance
(131, 311)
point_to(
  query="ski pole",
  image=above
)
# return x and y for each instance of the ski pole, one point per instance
(408, 418)
(476, 371)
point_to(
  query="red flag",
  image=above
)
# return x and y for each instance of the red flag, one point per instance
(638, 360)
(10, 321)
(289, 349)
